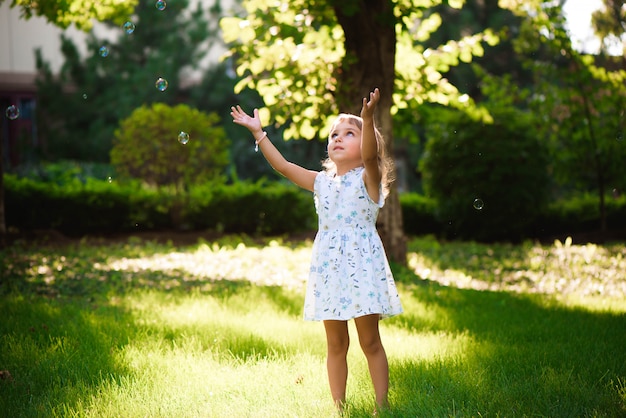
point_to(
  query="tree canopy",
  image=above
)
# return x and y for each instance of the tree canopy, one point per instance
(83, 104)
(81, 13)
(295, 53)
(609, 23)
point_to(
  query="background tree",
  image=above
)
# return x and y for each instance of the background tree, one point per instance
(310, 60)
(609, 25)
(168, 44)
(580, 100)
(81, 13)
(63, 14)
(476, 16)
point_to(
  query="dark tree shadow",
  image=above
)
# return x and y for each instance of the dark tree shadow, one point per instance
(50, 359)
(527, 357)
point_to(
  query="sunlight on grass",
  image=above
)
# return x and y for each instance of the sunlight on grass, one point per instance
(272, 265)
(581, 275)
(206, 356)
(216, 329)
(186, 381)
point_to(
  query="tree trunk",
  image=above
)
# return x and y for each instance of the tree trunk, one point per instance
(370, 43)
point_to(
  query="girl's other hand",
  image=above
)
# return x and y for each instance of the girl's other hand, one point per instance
(367, 111)
(253, 123)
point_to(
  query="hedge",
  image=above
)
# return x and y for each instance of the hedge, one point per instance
(260, 208)
(94, 206)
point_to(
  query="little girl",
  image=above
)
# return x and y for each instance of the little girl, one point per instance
(350, 276)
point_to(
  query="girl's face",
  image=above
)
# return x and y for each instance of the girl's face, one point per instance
(344, 144)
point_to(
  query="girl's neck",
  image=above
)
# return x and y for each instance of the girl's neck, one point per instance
(342, 169)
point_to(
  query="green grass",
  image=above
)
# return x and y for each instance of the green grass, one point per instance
(141, 329)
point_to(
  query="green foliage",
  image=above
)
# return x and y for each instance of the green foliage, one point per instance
(78, 12)
(503, 165)
(579, 101)
(77, 205)
(77, 208)
(102, 206)
(294, 55)
(254, 208)
(147, 146)
(609, 23)
(79, 123)
(418, 214)
(581, 214)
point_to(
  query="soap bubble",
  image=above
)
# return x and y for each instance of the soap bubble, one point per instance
(13, 112)
(85, 96)
(161, 84)
(104, 51)
(183, 137)
(160, 4)
(109, 179)
(129, 27)
(478, 204)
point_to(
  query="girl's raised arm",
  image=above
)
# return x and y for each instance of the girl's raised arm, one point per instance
(297, 174)
(369, 146)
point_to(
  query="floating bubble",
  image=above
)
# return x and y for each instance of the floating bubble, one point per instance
(12, 112)
(616, 193)
(109, 179)
(619, 136)
(85, 96)
(104, 51)
(129, 27)
(161, 84)
(183, 137)
(478, 204)
(160, 4)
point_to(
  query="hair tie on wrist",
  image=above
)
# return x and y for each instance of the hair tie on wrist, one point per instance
(258, 141)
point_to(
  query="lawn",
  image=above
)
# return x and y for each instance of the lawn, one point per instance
(137, 328)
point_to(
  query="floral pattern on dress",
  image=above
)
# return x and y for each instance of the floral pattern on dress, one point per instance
(350, 274)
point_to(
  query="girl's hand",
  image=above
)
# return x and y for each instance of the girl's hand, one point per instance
(242, 118)
(367, 111)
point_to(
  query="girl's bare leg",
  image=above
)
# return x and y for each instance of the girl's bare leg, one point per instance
(372, 346)
(338, 341)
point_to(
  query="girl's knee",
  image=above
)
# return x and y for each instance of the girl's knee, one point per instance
(338, 346)
(371, 343)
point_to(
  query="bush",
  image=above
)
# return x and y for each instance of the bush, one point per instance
(99, 206)
(146, 146)
(253, 208)
(502, 166)
(581, 213)
(418, 215)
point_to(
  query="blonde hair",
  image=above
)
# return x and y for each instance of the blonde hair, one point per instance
(385, 163)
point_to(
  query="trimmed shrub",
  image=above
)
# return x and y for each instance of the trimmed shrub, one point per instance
(581, 213)
(147, 147)
(98, 206)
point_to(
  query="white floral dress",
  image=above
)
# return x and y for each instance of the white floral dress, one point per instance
(350, 274)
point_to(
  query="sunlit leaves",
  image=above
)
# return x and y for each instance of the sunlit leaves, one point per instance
(419, 72)
(291, 52)
(290, 62)
(78, 12)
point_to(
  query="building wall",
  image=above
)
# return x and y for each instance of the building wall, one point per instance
(19, 38)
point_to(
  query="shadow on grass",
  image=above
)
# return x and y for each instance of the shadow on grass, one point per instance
(526, 356)
(58, 366)
(53, 362)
